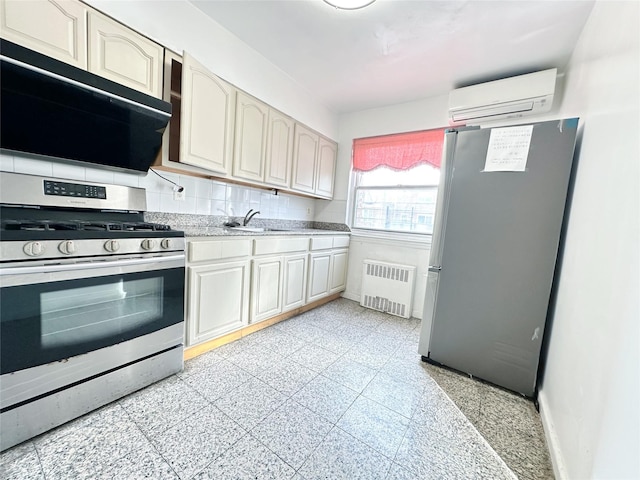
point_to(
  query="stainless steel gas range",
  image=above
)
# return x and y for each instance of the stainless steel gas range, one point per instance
(91, 300)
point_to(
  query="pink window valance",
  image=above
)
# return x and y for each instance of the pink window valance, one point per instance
(399, 151)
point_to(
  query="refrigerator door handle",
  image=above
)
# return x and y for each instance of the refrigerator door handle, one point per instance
(434, 268)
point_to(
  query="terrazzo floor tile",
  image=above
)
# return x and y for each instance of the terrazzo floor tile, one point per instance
(379, 343)
(429, 455)
(410, 371)
(255, 359)
(508, 410)
(396, 326)
(142, 463)
(342, 457)
(283, 343)
(518, 450)
(162, 405)
(367, 356)
(350, 374)
(287, 376)
(25, 466)
(292, 432)
(464, 391)
(217, 380)
(393, 393)
(333, 342)
(195, 422)
(199, 363)
(250, 402)
(236, 346)
(396, 472)
(326, 398)
(248, 459)
(375, 425)
(197, 441)
(314, 357)
(89, 451)
(14, 453)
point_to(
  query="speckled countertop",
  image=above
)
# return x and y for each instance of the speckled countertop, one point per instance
(213, 225)
(193, 231)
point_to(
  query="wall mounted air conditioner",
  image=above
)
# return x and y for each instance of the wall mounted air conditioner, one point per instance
(512, 97)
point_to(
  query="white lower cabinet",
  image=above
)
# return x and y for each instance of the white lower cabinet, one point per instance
(218, 299)
(339, 261)
(294, 281)
(319, 267)
(266, 287)
(232, 282)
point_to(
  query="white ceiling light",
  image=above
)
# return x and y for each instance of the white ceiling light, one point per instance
(349, 4)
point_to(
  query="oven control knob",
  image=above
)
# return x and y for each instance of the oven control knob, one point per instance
(148, 244)
(166, 243)
(112, 246)
(33, 249)
(67, 247)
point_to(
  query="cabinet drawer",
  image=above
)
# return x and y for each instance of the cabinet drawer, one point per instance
(341, 242)
(269, 246)
(321, 243)
(201, 251)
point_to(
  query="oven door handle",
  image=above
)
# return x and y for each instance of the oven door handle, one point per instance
(178, 260)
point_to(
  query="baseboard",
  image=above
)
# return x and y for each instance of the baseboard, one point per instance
(557, 459)
(351, 296)
(195, 350)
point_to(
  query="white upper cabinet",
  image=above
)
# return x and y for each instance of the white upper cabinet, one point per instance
(305, 151)
(207, 118)
(325, 171)
(56, 28)
(250, 138)
(314, 163)
(279, 149)
(121, 55)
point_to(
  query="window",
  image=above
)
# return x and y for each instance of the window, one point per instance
(396, 201)
(396, 181)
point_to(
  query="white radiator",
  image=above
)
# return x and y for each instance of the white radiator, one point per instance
(388, 287)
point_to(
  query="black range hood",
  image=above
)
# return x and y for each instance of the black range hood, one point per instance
(53, 109)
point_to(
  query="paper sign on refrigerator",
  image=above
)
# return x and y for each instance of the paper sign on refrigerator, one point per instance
(508, 149)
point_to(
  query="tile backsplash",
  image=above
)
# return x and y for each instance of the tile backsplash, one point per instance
(201, 196)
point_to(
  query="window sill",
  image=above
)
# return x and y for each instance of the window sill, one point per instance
(417, 239)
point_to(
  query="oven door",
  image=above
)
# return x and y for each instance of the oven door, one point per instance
(49, 313)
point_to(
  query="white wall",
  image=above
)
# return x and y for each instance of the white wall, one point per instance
(419, 115)
(178, 25)
(590, 390)
(391, 251)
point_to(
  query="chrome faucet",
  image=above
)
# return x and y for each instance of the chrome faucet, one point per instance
(248, 217)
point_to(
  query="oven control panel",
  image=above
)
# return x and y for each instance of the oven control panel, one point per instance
(65, 189)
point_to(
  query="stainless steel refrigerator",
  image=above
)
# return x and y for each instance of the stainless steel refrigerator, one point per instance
(497, 229)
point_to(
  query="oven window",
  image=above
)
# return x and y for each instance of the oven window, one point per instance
(87, 314)
(48, 322)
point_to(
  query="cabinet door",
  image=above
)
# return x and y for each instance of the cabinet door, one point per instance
(339, 261)
(295, 274)
(121, 55)
(305, 149)
(56, 28)
(266, 287)
(207, 118)
(279, 149)
(250, 138)
(217, 300)
(326, 168)
(318, 285)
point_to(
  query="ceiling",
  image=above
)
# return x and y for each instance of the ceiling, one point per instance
(396, 51)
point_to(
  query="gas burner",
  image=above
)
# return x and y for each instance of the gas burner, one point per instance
(39, 225)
